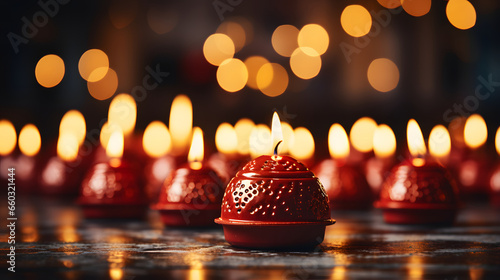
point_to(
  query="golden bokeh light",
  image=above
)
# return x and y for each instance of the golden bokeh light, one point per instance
(196, 151)
(497, 141)
(253, 64)
(74, 122)
(338, 143)
(105, 87)
(272, 79)
(285, 39)
(303, 144)
(67, 146)
(9, 137)
(260, 141)
(416, 8)
(415, 139)
(390, 4)
(439, 142)
(180, 124)
(123, 112)
(288, 135)
(383, 74)
(232, 75)
(114, 149)
(217, 48)
(314, 36)
(461, 14)
(235, 31)
(356, 20)
(475, 131)
(29, 140)
(156, 140)
(93, 65)
(106, 130)
(226, 139)
(361, 134)
(305, 63)
(243, 129)
(384, 141)
(49, 70)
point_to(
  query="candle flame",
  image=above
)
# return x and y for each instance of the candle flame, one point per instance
(29, 140)
(226, 139)
(74, 122)
(180, 124)
(67, 146)
(361, 134)
(276, 132)
(338, 142)
(416, 143)
(439, 142)
(303, 144)
(497, 141)
(123, 112)
(8, 139)
(114, 149)
(475, 131)
(384, 141)
(156, 140)
(196, 151)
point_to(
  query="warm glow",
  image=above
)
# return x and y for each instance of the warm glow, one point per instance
(114, 149)
(123, 112)
(195, 156)
(415, 139)
(253, 65)
(260, 141)
(475, 131)
(8, 139)
(384, 141)
(115, 273)
(243, 130)
(284, 39)
(390, 4)
(416, 8)
(303, 144)
(156, 139)
(232, 75)
(67, 146)
(338, 143)
(383, 74)
(287, 130)
(356, 20)
(361, 134)
(314, 36)
(497, 141)
(439, 142)
(49, 70)
(305, 63)
(277, 133)
(217, 48)
(272, 79)
(235, 31)
(105, 87)
(74, 122)
(162, 20)
(106, 131)
(461, 14)
(226, 139)
(180, 124)
(93, 65)
(29, 140)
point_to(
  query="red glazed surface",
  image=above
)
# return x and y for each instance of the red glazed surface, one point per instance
(112, 192)
(419, 195)
(345, 185)
(190, 197)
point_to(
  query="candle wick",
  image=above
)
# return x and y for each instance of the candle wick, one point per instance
(276, 148)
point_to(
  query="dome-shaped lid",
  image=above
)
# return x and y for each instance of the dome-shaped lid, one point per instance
(275, 167)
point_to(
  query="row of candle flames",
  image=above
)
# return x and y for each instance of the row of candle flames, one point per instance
(244, 140)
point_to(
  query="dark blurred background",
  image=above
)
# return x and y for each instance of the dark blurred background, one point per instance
(439, 65)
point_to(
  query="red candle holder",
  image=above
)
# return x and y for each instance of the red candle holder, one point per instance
(155, 173)
(190, 197)
(59, 177)
(345, 185)
(495, 187)
(227, 166)
(112, 192)
(275, 202)
(423, 194)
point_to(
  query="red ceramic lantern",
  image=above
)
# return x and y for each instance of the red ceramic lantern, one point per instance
(275, 202)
